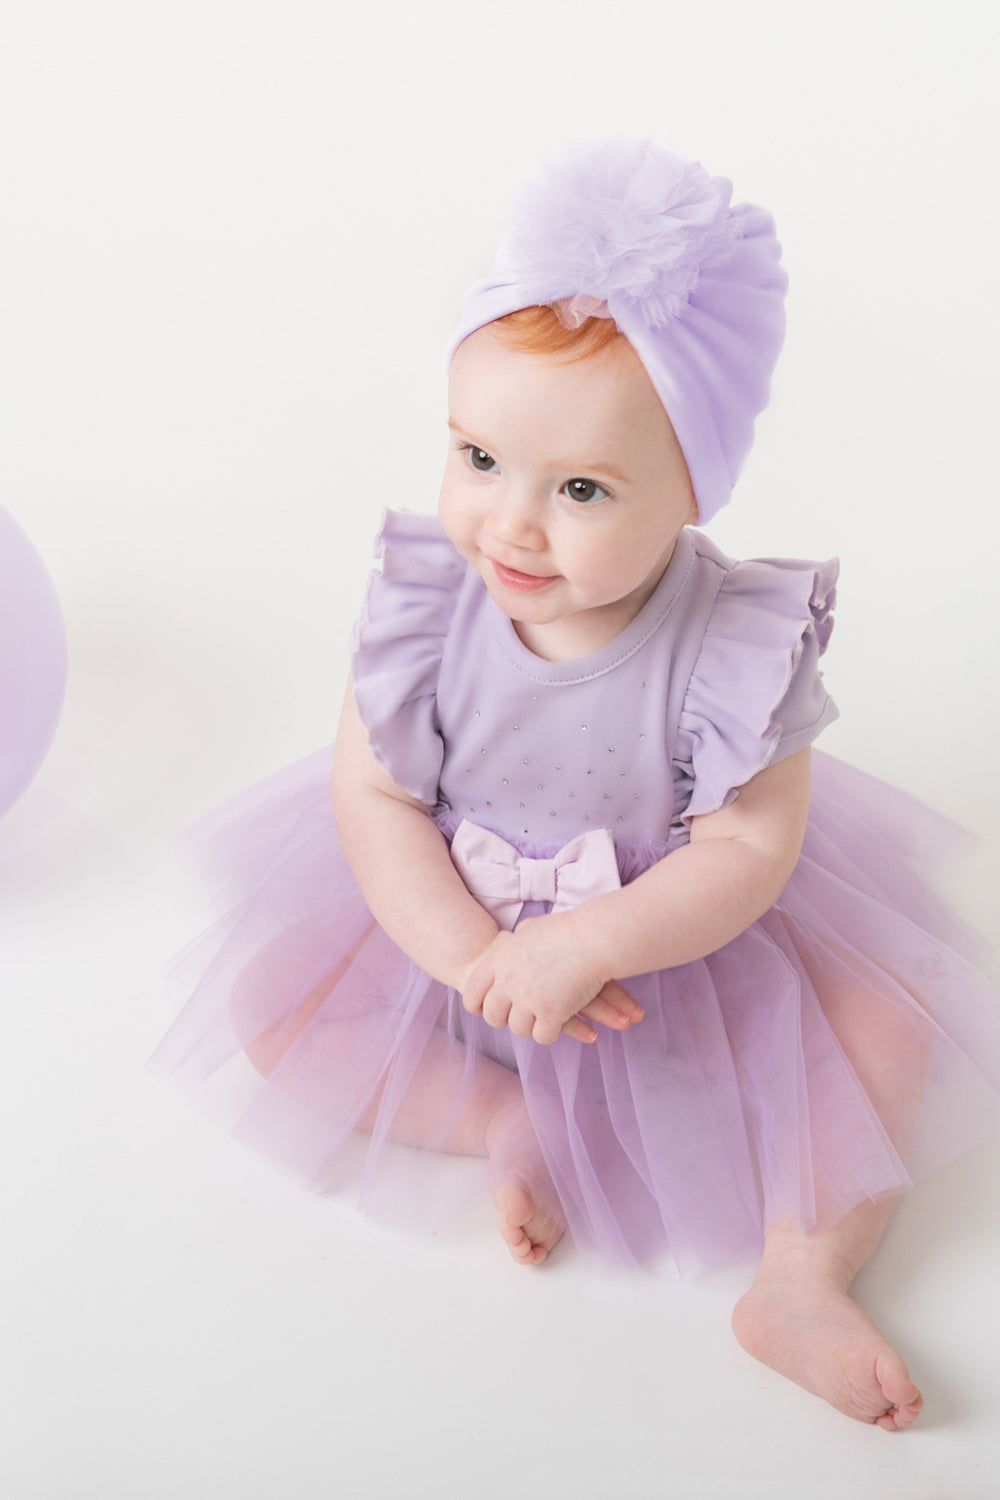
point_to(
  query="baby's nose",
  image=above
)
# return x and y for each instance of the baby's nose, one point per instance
(516, 517)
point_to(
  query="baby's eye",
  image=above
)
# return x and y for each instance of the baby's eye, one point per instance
(480, 459)
(584, 490)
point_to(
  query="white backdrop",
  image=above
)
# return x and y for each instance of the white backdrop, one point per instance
(234, 241)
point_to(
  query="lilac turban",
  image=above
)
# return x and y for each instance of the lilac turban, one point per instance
(625, 228)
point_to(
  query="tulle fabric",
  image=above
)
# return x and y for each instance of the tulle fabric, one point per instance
(840, 1048)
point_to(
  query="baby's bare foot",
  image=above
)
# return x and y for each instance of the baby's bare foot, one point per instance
(529, 1229)
(522, 1189)
(809, 1330)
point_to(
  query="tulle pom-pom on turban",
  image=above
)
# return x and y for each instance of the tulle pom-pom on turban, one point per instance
(627, 229)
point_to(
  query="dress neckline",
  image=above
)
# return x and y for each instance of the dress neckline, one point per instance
(628, 641)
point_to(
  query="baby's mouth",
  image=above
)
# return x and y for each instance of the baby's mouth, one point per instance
(524, 583)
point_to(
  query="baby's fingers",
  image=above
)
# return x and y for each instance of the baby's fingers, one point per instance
(477, 987)
(478, 983)
(621, 999)
(613, 1006)
(601, 1013)
(496, 1009)
(577, 1028)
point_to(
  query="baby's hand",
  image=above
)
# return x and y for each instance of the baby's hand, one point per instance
(539, 982)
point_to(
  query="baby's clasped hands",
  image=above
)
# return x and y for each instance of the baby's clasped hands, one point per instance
(540, 981)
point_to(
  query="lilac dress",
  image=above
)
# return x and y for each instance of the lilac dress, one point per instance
(840, 1047)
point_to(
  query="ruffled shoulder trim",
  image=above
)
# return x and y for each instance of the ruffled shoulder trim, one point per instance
(756, 693)
(397, 645)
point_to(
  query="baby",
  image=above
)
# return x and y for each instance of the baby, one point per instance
(591, 908)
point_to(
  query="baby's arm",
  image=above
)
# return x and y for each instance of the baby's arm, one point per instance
(688, 905)
(404, 870)
(710, 890)
(401, 862)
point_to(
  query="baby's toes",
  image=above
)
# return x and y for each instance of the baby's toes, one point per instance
(905, 1400)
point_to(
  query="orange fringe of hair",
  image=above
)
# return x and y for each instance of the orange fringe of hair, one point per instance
(537, 330)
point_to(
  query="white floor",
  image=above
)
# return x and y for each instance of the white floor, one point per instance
(181, 1321)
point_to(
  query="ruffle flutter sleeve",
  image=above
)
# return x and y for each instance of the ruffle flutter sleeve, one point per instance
(396, 649)
(756, 692)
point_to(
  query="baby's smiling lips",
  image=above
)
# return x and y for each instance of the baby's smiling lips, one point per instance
(525, 583)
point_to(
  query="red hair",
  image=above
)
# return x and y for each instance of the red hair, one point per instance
(537, 330)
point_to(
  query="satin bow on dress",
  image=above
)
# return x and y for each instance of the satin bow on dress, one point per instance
(502, 879)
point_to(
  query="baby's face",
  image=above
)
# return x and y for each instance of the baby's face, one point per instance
(565, 488)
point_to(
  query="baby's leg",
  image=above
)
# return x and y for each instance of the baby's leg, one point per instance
(491, 1118)
(798, 1318)
(492, 1121)
(527, 1208)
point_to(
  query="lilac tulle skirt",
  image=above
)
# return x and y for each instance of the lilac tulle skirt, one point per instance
(843, 1046)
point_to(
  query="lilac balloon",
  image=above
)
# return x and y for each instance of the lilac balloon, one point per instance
(32, 661)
